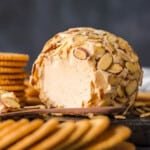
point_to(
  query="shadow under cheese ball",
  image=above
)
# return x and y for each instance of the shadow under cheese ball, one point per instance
(86, 67)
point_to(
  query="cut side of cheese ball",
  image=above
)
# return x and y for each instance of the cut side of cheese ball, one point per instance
(86, 67)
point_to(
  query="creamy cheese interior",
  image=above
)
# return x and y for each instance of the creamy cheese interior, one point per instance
(67, 82)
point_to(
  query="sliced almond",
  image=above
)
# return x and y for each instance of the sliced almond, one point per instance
(109, 47)
(122, 100)
(145, 115)
(134, 57)
(100, 80)
(136, 75)
(118, 60)
(120, 91)
(105, 62)
(123, 44)
(112, 38)
(115, 68)
(99, 50)
(123, 55)
(113, 80)
(120, 117)
(124, 73)
(141, 111)
(79, 39)
(146, 108)
(10, 103)
(93, 35)
(105, 102)
(132, 67)
(80, 53)
(131, 87)
(132, 98)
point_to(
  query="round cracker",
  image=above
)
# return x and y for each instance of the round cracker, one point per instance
(13, 64)
(143, 96)
(19, 93)
(11, 82)
(11, 70)
(124, 146)
(14, 76)
(33, 101)
(31, 92)
(22, 100)
(81, 128)
(12, 87)
(141, 103)
(13, 127)
(99, 125)
(39, 134)
(60, 135)
(6, 123)
(20, 133)
(111, 137)
(13, 56)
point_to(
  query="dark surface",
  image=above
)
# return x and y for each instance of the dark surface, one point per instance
(26, 25)
(140, 130)
(143, 148)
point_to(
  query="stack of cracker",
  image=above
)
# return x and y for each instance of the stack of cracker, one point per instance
(31, 94)
(12, 73)
(142, 104)
(87, 134)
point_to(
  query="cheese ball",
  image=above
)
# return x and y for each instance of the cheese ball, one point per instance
(85, 67)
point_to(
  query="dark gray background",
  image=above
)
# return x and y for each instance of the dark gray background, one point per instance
(25, 25)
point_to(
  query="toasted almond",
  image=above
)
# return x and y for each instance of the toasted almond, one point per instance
(141, 111)
(136, 76)
(113, 80)
(109, 47)
(132, 98)
(99, 50)
(145, 115)
(123, 55)
(124, 73)
(80, 53)
(132, 67)
(92, 35)
(122, 100)
(105, 62)
(131, 87)
(120, 117)
(123, 44)
(120, 91)
(118, 60)
(11, 103)
(134, 57)
(105, 102)
(112, 38)
(79, 39)
(146, 108)
(115, 68)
